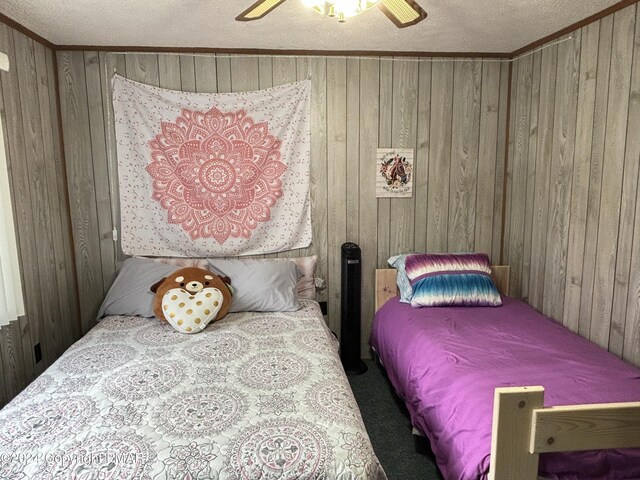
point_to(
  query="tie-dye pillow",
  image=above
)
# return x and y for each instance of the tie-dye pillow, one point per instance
(462, 280)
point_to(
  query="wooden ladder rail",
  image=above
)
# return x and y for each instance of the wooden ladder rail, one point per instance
(523, 428)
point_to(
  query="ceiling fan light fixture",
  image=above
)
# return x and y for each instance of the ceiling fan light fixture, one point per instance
(342, 9)
(403, 13)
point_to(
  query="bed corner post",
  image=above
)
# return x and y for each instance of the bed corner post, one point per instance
(510, 437)
(386, 287)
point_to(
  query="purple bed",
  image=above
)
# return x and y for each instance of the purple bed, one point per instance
(446, 362)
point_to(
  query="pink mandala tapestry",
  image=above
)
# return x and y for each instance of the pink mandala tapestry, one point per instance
(212, 174)
(217, 174)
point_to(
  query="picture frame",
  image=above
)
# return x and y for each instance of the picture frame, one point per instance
(394, 172)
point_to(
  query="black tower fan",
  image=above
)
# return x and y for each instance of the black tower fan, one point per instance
(350, 310)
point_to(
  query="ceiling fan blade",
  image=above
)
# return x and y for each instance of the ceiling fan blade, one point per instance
(403, 13)
(258, 10)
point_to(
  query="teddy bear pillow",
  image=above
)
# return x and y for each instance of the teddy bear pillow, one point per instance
(191, 298)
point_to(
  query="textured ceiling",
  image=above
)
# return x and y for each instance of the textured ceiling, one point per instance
(452, 25)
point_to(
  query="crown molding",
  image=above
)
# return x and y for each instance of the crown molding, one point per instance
(29, 33)
(264, 51)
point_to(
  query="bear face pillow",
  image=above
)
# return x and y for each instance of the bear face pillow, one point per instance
(191, 298)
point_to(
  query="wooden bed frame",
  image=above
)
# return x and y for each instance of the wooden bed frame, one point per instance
(523, 427)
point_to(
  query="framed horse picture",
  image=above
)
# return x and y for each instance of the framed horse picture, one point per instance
(394, 173)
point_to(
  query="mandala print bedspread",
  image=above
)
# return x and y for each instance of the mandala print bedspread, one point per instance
(255, 396)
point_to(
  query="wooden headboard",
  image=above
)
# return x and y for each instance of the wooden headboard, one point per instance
(387, 288)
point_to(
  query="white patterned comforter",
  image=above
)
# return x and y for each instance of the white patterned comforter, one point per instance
(255, 396)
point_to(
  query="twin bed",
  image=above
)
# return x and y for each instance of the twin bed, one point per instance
(446, 362)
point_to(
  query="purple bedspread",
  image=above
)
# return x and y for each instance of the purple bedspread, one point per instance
(446, 362)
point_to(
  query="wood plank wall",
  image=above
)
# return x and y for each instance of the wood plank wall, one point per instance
(37, 180)
(452, 112)
(573, 227)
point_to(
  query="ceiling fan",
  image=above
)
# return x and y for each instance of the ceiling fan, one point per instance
(403, 13)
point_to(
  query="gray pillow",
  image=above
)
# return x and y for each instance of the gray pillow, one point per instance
(130, 293)
(258, 285)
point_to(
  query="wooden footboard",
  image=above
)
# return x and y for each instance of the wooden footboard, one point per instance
(523, 428)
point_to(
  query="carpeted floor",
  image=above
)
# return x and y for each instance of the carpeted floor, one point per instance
(403, 455)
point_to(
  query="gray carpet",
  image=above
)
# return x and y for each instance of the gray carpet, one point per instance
(403, 456)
